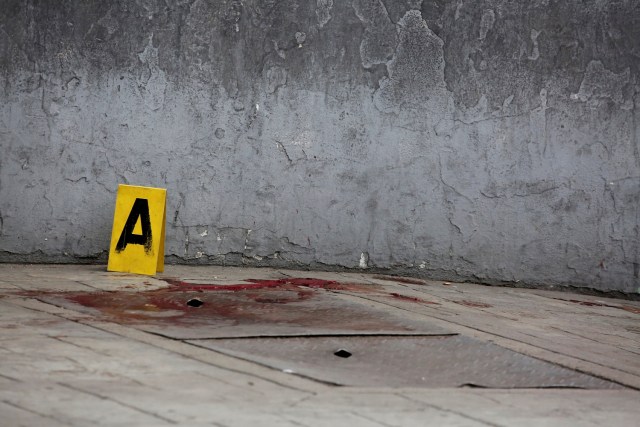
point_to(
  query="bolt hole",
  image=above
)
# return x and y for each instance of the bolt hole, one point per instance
(342, 353)
(194, 302)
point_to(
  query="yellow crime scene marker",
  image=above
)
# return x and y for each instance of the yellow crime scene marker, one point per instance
(137, 237)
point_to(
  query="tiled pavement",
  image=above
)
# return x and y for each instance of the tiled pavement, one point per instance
(80, 347)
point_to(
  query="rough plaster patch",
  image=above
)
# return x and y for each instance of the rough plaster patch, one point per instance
(475, 113)
(303, 139)
(416, 72)
(486, 23)
(364, 260)
(600, 83)
(109, 22)
(152, 81)
(456, 14)
(380, 37)
(276, 77)
(281, 52)
(535, 53)
(323, 11)
(300, 38)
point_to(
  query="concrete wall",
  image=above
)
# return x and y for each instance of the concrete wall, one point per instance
(490, 140)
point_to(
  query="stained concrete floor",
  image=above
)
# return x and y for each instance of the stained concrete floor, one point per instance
(230, 347)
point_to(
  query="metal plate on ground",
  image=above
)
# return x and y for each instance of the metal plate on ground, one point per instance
(286, 310)
(444, 361)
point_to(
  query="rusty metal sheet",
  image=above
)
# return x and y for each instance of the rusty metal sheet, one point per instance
(292, 307)
(444, 361)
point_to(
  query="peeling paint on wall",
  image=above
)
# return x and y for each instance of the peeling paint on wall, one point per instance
(493, 141)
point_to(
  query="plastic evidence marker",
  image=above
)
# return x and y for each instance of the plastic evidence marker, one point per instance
(137, 237)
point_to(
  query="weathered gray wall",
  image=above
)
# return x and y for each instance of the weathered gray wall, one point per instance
(492, 140)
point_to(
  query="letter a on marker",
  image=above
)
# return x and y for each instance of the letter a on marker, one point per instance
(137, 237)
(140, 210)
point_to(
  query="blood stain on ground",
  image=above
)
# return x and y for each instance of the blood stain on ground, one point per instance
(412, 299)
(629, 308)
(473, 304)
(282, 301)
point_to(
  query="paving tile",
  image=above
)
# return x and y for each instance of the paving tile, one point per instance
(61, 285)
(210, 274)
(72, 406)
(534, 408)
(7, 286)
(384, 407)
(14, 415)
(324, 275)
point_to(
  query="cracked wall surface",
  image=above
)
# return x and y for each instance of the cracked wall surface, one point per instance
(493, 140)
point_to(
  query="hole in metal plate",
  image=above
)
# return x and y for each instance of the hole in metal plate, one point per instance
(342, 353)
(195, 302)
(406, 361)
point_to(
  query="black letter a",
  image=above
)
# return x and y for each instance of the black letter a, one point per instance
(140, 209)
